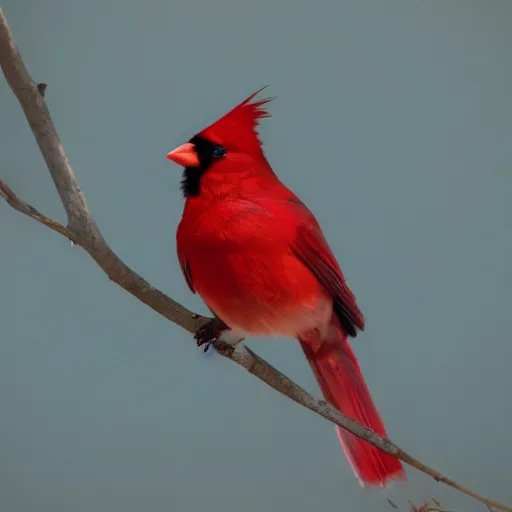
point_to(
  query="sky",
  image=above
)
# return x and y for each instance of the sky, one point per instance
(392, 122)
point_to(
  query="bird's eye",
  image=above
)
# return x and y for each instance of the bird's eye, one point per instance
(219, 152)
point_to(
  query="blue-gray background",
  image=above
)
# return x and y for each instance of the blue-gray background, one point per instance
(393, 122)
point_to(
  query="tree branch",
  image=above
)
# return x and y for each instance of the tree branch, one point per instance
(29, 210)
(83, 231)
(31, 99)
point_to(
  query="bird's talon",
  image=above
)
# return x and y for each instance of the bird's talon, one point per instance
(209, 333)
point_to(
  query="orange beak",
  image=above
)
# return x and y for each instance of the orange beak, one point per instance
(184, 155)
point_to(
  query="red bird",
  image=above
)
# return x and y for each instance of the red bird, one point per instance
(258, 258)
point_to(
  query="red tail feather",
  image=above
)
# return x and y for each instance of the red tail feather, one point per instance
(342, 384)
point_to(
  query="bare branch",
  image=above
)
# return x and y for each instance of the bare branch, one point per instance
(83, 231)
(38, 116)
(29, 210)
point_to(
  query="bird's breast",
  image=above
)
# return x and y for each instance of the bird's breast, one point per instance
(243, 268)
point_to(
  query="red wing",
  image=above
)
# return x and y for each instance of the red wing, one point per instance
(312, 249)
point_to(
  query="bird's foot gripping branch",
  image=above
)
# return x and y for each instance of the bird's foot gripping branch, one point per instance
(209, 333)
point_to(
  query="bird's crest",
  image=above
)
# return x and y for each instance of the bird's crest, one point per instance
(238, 128)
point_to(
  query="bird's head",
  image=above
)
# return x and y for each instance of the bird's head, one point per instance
(227, 145)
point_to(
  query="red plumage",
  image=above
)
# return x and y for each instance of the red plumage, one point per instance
(237, 128)
(258, 258)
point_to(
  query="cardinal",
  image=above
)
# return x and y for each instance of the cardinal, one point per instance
(258, 258)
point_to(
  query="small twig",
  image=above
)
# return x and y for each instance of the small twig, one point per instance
(427, 507)
(424, 508)
(29, 210)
